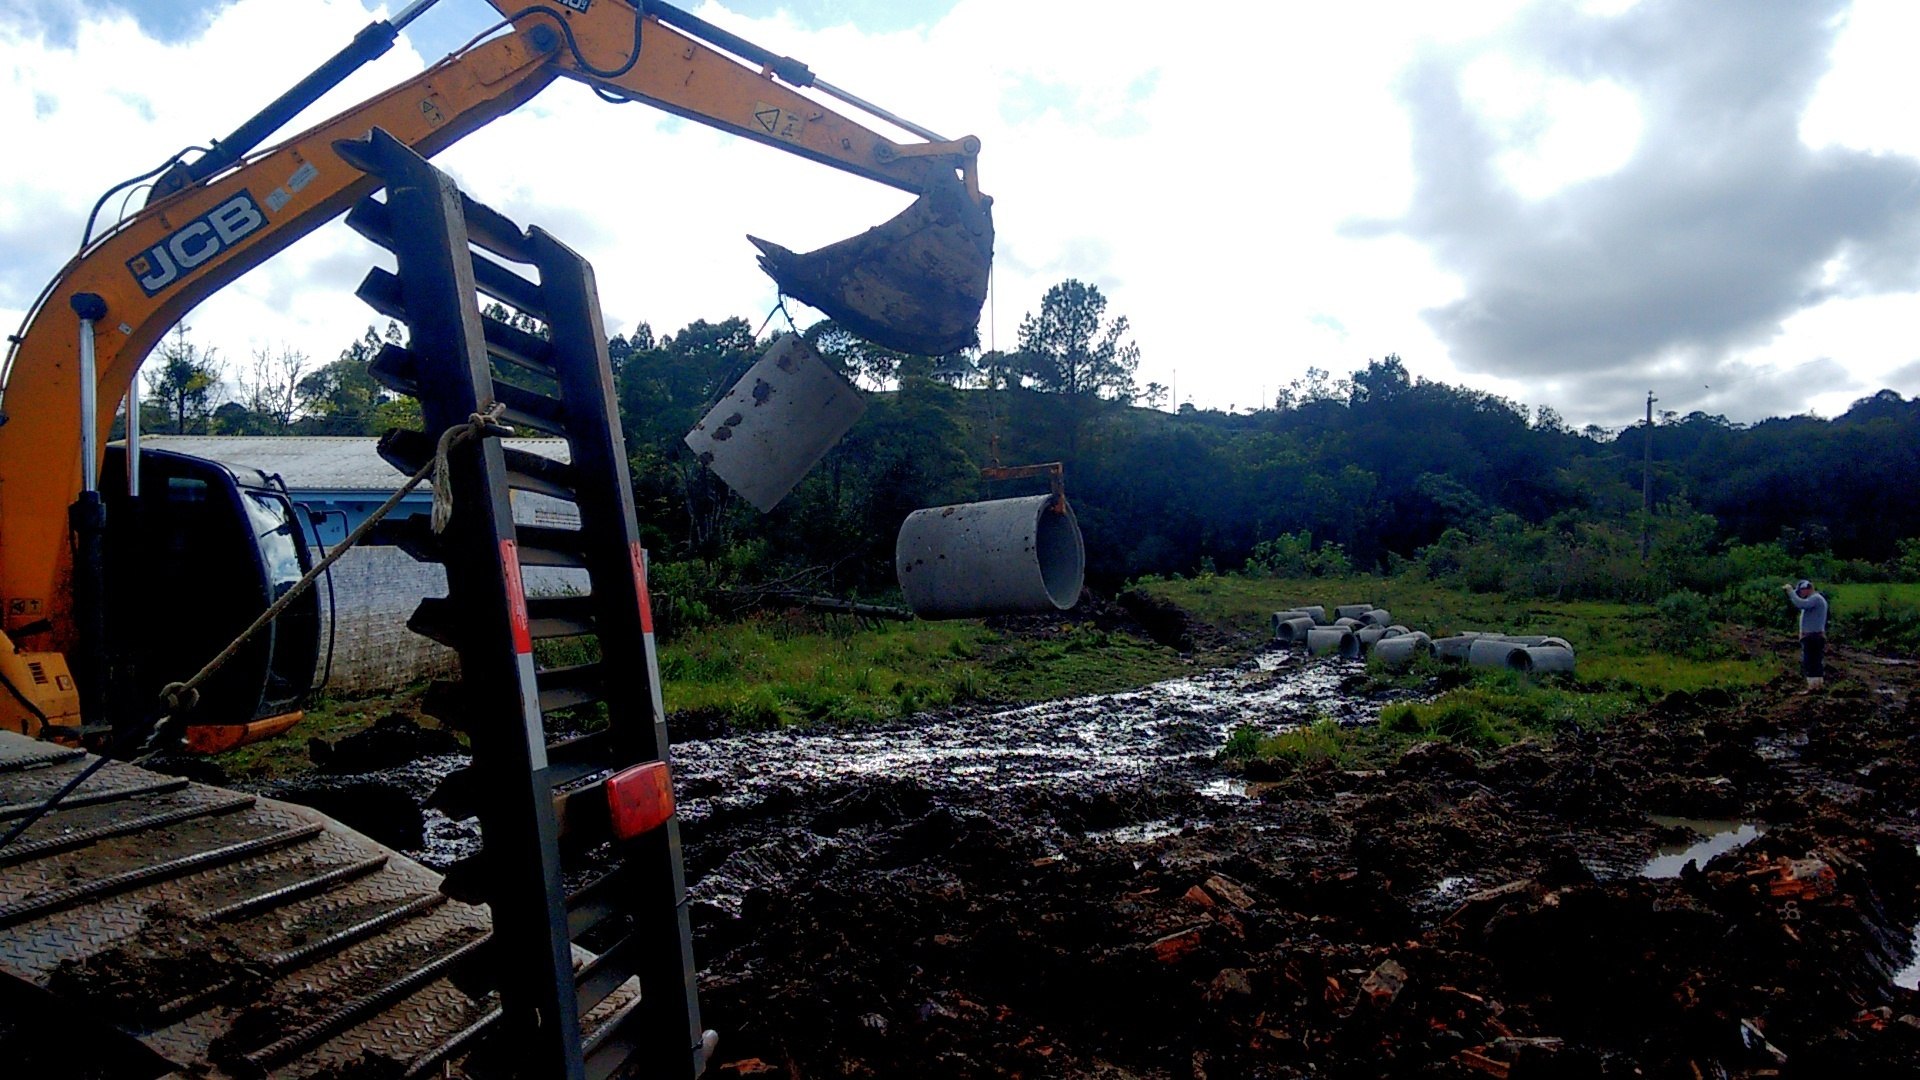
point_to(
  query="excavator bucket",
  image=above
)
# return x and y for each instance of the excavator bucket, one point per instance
(915, 284)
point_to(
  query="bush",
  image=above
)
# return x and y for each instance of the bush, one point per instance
(1292, 555)
(1683, 622)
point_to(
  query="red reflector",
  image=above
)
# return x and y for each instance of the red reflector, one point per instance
(640, 799)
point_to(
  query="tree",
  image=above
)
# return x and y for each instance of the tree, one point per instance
(181, 388)
(342, 398)
(1069, 348)
(269, 394)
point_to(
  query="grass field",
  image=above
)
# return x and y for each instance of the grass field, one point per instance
(1620, 666)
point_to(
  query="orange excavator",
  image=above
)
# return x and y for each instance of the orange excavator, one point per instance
(169, 927)
(213, 553)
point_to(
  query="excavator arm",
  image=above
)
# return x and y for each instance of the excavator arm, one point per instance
(114, 300)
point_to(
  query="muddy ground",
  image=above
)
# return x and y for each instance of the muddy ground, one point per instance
(947, 913)
(1717, 887)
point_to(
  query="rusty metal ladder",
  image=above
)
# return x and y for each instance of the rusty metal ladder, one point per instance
(580, 846)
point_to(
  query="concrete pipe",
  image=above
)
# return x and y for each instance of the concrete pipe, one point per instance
(1399, 653)
(1003, 557)
(777, 422)
(1283, 616)
(1397, 629)
(1333, 641)
(1550, 659)
(1369, 636)
(1556, 643)
(1348, 622)
(1315, 612)
(1293, 631)
(1489, 653)
(1351, 611)
(1377, 617)
(1453, 649)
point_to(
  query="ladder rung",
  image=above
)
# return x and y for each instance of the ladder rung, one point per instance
(486, 227)
(408, 450)
(396, 369)
(596, 902)
(604, 974)
(565, 687)
(381, 291)
(560, 616)
(508, 287)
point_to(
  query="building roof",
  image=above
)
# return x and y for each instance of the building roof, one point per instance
(316, 462)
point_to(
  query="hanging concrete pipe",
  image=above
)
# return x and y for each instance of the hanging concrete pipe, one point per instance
(1293, 631)
(1333, 641)
(1489, 653)
(1453, 649)
(1351, 611)
(1550, 659)
(1399, 653)
(1377, 617)
(1006, 556)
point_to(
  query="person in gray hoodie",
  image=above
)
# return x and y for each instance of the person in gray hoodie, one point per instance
(1813, 632)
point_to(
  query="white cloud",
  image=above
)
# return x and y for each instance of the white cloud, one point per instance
(1206, 175)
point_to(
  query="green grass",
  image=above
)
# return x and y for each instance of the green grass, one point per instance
(327, 717)
(1903, 594)
(802, 669)
(1620, 669)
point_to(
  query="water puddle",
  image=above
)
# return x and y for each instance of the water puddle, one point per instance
(1142, 833)
(1715, 838)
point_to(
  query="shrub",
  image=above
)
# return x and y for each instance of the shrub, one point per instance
(1683, 622)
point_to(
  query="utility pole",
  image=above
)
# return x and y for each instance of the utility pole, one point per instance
(1646, 483)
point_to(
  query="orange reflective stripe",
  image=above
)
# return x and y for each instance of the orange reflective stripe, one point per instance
(640, 587)
(516, 597)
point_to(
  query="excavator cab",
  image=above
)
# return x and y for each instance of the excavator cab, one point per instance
(202, 551)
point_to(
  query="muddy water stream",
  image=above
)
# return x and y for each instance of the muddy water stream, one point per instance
(1087, 743)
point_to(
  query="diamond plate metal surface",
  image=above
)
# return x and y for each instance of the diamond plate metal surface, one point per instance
(294, 960)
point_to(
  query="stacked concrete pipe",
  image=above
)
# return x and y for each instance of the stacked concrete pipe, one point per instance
(1333, 641)
(1399, 652)
(1490, 652)
(1292, 631)
(1549, 659)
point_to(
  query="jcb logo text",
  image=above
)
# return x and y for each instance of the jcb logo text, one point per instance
(196, 242)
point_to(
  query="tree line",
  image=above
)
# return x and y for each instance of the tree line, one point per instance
(1374, 470)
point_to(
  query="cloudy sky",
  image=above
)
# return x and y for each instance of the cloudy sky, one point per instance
(1570, 203)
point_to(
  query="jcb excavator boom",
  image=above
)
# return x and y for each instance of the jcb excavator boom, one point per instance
(220, 215)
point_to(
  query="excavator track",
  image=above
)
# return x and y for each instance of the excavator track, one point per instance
(233, 936)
